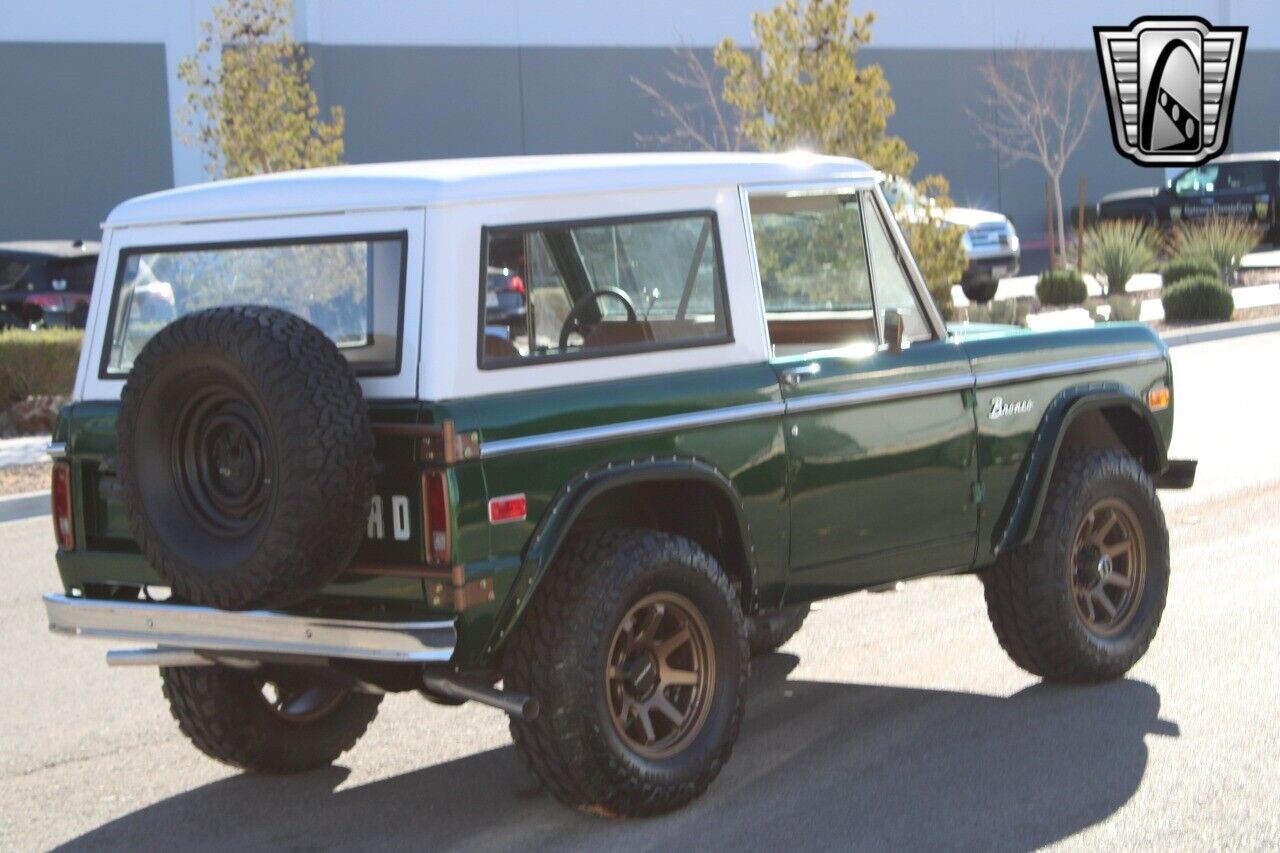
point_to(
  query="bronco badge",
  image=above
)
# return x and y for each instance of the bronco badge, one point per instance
(1171, 85)
(1000, 408)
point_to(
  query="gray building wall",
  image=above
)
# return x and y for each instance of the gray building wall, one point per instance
(84, 126)
(87, 125)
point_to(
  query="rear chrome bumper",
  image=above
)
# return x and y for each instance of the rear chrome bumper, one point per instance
(265, 632)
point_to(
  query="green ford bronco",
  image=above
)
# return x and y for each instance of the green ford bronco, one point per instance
(574, 437)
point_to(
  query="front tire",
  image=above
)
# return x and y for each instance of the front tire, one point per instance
(636, 648)
(284, 725)
(1082, 601)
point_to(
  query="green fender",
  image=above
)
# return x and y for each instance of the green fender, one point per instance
(577, 496)
(1021, 515)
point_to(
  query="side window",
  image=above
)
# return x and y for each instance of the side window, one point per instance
(602, 288)
(812, 259)
(1196, 181)
(893, 287)
(12, 273)
(1244, 177)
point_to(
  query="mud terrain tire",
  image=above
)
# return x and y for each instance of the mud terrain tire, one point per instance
(562, 654)
(1032, 591)
(225, 714)
(245, 457)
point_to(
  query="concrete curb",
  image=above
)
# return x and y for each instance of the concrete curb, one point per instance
(26, 505)
(1221, 331)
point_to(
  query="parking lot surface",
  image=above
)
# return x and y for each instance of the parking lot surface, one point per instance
(891, 721)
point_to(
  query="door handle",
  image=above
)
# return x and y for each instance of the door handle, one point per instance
(793, 375)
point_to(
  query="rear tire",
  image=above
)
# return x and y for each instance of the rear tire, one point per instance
(1081, 602)
(980, 292)
(628, 620)
(230, 716)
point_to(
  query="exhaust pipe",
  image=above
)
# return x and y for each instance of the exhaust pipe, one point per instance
(516, 704)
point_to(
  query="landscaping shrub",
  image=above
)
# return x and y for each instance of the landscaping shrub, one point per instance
(1116, 250)
(1200, 298)
(1124, 309)
(1061, 287)
(37, 363)
(1189, 266)
(1222, 239)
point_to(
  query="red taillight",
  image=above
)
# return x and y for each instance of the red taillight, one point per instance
(508, 508)
(63, 528)
(516, 284)
(435, 512)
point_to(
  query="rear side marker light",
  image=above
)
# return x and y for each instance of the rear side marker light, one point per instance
(508, 508)
(435, 510)
(1158, 398)
(63, 528)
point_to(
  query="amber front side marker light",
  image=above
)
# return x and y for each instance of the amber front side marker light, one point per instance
(1158, 398)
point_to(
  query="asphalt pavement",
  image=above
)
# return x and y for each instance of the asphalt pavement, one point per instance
(891, 721)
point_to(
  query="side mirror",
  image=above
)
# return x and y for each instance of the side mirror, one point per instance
(893, 330)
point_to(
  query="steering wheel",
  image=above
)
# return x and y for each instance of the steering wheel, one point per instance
(571, 321)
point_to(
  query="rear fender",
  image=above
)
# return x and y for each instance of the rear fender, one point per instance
(576, 498)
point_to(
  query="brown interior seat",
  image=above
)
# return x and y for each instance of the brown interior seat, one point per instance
(823, 329)
(498, 348)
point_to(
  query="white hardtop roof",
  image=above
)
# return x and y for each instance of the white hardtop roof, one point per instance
(431, 182)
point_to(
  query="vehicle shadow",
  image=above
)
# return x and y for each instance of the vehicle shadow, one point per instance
(818, 765)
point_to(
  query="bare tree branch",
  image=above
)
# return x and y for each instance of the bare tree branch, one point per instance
(690, 119)
(1039, 110)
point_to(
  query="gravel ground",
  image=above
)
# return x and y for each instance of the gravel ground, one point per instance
(16, 479)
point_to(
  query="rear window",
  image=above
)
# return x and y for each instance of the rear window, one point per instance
(73, 276)
(602, 287)
(351, 288)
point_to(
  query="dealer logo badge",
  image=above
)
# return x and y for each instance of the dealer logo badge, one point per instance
(1171, 85)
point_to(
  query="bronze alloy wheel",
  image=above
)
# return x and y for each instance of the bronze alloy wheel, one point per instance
(301, 703)
(1109, 570)
(660, 673)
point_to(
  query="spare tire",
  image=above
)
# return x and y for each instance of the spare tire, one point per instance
(245, 457)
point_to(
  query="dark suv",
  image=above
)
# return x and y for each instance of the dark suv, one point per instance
(1242, 185)
(46, 282)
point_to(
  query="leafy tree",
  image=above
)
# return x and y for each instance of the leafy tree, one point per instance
(803, 88)
(250, 105)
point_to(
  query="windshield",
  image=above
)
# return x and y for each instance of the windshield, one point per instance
(350, 288)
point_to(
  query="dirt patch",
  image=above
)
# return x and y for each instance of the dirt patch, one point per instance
(17, 479)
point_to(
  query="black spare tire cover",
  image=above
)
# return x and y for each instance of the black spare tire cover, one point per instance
(245, 457)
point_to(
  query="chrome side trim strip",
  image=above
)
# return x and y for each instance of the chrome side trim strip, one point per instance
(1062, 368)
(56, 449)
(256, 631)
(627, 429)
(880, 394)
(815, 402)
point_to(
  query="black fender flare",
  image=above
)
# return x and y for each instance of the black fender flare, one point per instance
(1020, 516)
(576, 496)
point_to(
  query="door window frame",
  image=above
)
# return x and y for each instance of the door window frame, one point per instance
(869, 192)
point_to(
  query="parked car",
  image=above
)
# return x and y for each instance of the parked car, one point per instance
(735, 398)
(1243, 185)
(990, 240)
(505, 302)
(46, 282)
